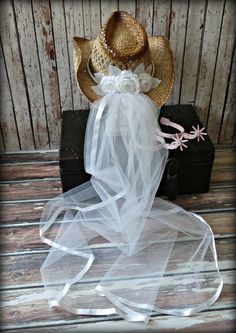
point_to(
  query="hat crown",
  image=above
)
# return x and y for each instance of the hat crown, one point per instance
(122, 42)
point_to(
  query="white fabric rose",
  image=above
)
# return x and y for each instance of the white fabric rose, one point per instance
(127, 82)
(145, 81)
(108, 84)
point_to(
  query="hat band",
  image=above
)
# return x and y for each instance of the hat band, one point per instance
(94, 78)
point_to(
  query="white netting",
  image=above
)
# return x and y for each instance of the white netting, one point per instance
(156, 257)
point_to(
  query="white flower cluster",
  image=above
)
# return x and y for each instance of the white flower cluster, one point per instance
(125, 81)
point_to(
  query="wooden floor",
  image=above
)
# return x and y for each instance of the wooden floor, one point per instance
(28, 181)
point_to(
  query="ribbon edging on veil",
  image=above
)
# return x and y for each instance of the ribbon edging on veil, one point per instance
(125, 153)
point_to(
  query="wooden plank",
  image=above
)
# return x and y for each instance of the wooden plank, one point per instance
(45, 170)
(161, 17)
(77, 25)
(47, 57)
(178, 25)
(234, 136)
(26, 238)
(107, 7)
(222, 175)
(222, 71)
(221, 223)
(92, 18)
(23, 270)
(7, 118)
(224, 156)
(26, 157)
(62, 57)
(30, 190)
(144, 14)
(74, 27)
(212, 322)
(224, 146)
(28, 181)
(192, 50)
(25, 24)
(128, 6)
(215, 199)
(208, 57)
(229, 123)
(92, 25)
(21, 212)
(28, 307)
(29, 171)
(16, 76)
(2, 144)
(30, 210)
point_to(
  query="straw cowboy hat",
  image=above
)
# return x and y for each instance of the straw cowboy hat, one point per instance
(123, 42)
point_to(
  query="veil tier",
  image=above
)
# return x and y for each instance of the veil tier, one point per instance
(115, 247)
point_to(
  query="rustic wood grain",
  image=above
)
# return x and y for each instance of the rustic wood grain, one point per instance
(25, 24)
(30, 190)
(208, 57)
(202, 63)
(128, 6)
(43, 190)
(23, 238)
(217, 321)
(161, 17)
(229, 120)
(35, 295)
(24, 303)
(33, 156)
(30, 210)
(92, 24)
(62, 57)
(16, 76)
(224, 160)
(224, 156)
(215, 199)
(22, 270)
(2, 144)
(25, 212)
(234, 136)
(144, 14)
(19, 172)
(7, 117)
(16, 304)
(29, 171)
(92, 18)
(74, 27)
(223, 176)
(194, 33)
(222, 70)
(107, 7)
(47, 57)
(25, 307)
(178, 25)
(48, 188)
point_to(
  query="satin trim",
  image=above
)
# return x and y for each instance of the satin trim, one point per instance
(121, 303)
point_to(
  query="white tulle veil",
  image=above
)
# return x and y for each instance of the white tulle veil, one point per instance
(154, 255)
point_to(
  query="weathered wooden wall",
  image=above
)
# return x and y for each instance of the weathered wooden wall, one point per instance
(37, 75)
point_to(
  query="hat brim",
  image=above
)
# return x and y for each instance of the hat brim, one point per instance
(162, 58)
